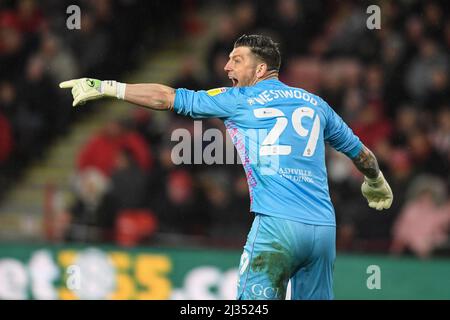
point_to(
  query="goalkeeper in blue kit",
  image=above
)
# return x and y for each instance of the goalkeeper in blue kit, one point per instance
(280, 134)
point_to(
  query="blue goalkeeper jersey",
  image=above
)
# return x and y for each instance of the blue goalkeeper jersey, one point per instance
(279, 133)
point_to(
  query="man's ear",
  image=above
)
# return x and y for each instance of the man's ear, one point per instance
(261, 70)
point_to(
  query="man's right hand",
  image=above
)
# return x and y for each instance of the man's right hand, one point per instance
(85, 89)
(377, 192)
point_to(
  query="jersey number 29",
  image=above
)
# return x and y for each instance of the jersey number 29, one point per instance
(268, 146)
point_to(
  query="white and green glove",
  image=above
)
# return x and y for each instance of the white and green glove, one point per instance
(86, 89)
(377, 192)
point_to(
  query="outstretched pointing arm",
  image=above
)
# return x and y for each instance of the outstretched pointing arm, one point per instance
(149, 95)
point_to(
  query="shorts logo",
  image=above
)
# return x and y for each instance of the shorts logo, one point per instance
(215, 92)
(267, 292)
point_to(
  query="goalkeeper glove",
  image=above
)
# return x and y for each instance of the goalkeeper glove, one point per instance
(86, 89)
(377, 192)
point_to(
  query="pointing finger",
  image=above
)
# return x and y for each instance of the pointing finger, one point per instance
(67, 84)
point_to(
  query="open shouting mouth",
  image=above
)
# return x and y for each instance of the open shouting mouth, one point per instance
(234, 81)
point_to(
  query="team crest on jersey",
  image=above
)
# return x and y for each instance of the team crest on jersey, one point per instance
(215, 92)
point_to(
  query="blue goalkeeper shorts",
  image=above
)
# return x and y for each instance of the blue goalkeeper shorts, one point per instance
(279, 250)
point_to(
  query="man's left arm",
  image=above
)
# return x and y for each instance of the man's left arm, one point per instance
(375, 188)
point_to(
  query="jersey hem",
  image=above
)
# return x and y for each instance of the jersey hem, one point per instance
(305, 221)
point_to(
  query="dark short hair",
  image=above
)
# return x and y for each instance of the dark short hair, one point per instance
(263, 47)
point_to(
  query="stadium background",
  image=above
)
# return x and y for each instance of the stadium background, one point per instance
(96, 187)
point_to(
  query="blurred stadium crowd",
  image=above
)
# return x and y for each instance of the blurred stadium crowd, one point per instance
(390, 85)
(37, 52)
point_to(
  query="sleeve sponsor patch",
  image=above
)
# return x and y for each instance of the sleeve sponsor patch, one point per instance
(215, 92)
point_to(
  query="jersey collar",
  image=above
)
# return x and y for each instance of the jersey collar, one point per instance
(269, 81)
